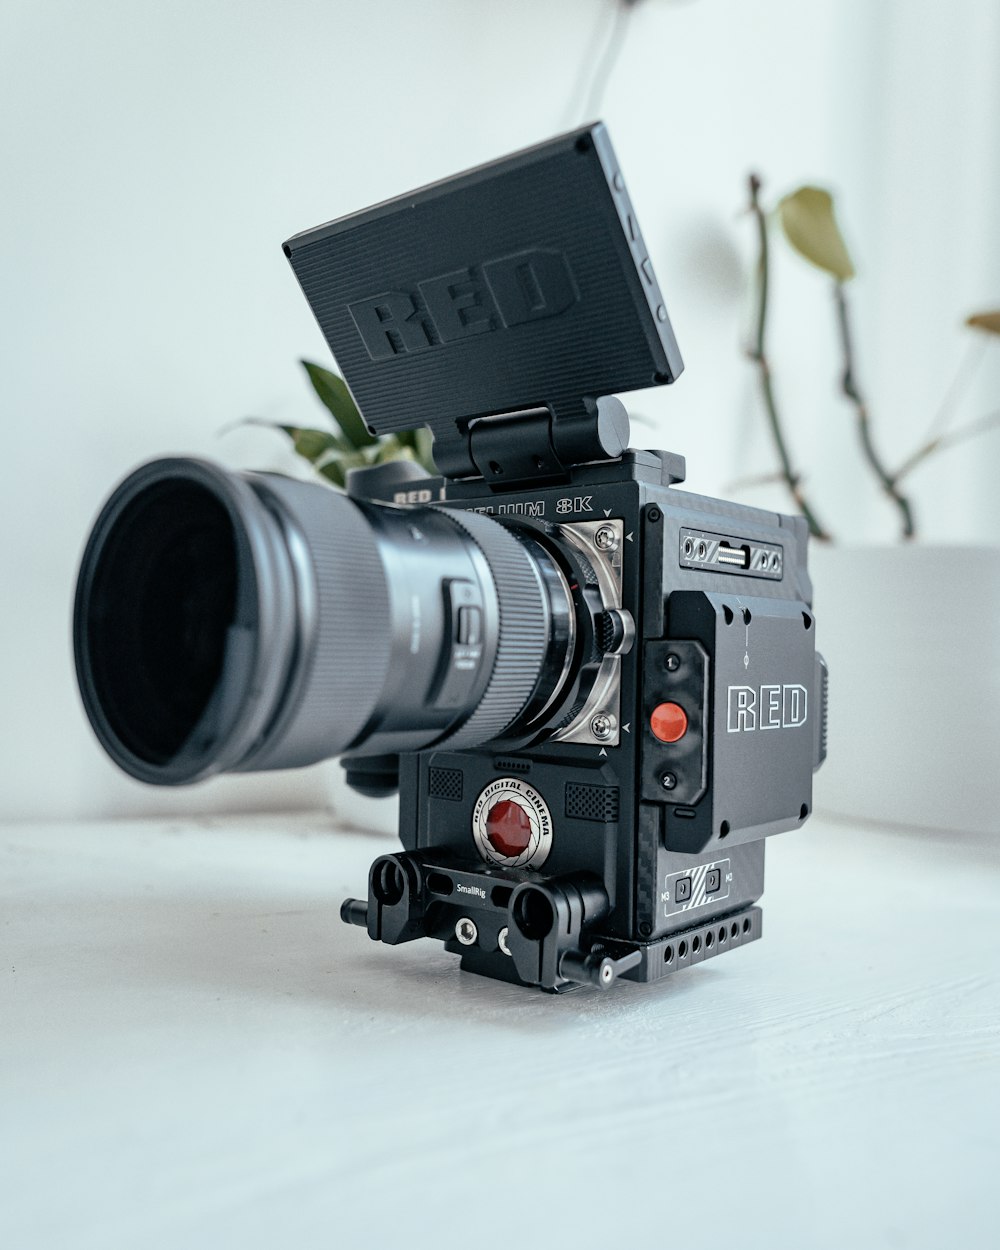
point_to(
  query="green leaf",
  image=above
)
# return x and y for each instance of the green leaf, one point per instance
(312, 445)
(424, 447)
(295, 432)
(334, 466)
(333, 471)
(988, 321)
(392, 448)
(420, 443)
(808, 220)
(333, 392)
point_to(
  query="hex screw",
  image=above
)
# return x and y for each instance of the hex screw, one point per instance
(605, 538)
(653, 513)
(466, 931)
(668, 781)
(602, 726)
(673, 663)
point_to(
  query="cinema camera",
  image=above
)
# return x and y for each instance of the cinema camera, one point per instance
(596, 694)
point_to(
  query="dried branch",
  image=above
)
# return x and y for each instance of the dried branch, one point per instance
(597, 67)
(849, 386)
(754, 479)
(968, 366)
(757, 353)
(943, 441)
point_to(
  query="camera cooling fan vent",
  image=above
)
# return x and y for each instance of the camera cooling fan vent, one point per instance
(445, 783)
(585, 802)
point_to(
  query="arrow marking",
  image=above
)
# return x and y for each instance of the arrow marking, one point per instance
(603, 752)
(629, 537)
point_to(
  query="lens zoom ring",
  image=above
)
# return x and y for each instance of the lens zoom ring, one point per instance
(352, 637)
(349, 642)
(523, 630)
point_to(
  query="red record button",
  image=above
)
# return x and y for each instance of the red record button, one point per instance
(668, 722)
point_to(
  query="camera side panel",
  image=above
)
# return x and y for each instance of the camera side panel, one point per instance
(671, 869)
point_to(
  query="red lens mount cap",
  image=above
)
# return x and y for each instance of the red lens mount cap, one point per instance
(669, 722)
(508, 828)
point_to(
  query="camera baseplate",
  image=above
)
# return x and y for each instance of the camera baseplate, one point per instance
(518, 927)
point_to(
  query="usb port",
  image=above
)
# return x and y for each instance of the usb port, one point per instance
(739, 557)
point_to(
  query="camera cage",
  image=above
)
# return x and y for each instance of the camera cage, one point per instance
(502, 308)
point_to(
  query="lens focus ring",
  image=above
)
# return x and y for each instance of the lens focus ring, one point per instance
(345, 638)
(524, 630)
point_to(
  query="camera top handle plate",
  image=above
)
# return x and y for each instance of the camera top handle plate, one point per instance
(520, 288)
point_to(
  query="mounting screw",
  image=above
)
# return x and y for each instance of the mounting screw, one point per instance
(668, 781)
(673, 662)
(605, 538)
(645, 928)
(502, 940)
(653, 513)
(466, 931)
(602, 726)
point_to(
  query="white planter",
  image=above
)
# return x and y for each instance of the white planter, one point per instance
(912, 638)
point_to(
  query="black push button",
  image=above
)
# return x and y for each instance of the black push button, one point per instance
(682, 890)
(713, 881)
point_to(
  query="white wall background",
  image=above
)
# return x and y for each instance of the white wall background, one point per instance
(154, 156)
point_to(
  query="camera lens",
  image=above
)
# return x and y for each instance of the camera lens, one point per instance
(157, 657)
(236, 622)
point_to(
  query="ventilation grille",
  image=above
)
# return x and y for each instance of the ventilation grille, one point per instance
(445, 783)
(592, 802)
(823, 721)
(512, 766)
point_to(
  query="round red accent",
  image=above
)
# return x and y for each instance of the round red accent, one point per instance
(508, 828)
(669, 722)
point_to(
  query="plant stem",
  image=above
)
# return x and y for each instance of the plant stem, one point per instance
(598, 64)
(943, 441)
(758, 354)
(967, 367)
(849, 386)
(755, 479)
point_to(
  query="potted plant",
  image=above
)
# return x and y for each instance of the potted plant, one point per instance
(909, 631)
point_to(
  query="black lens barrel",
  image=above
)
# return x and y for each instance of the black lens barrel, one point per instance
(237, 622)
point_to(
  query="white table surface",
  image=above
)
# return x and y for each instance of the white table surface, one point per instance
(195, 1052)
